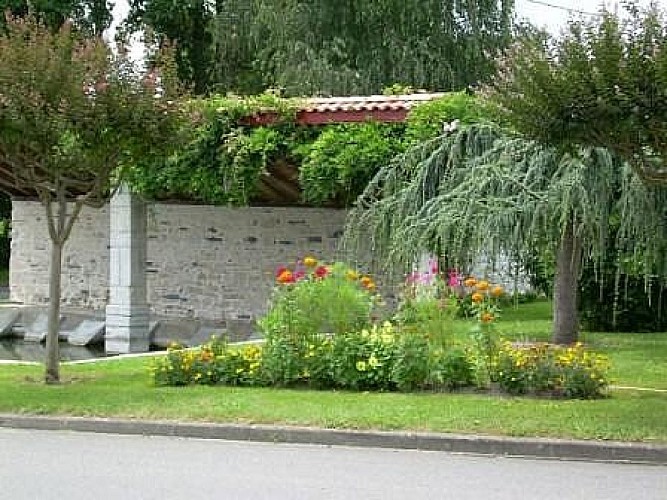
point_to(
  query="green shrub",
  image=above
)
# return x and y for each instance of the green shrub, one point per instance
(412, 368)
(310, 300)
(364, 360)
(451, 370)
(426, 121)
(634, 304)
(213, 363)
(315, 298)
(571, 372)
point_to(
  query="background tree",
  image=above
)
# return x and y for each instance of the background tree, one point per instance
(91, 16)
(72, 116)
(482, 191)
(602, 83)
(308, 47)
(185, 23)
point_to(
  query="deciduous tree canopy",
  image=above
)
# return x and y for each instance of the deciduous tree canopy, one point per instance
(91, 16)
(603, 83)
(72, 115)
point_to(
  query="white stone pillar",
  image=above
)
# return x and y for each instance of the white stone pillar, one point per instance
(127, 312)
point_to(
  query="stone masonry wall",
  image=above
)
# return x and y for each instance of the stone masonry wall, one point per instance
(211, 263)
(85, 261)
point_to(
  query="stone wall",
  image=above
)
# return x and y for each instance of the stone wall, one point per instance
(85, 262)
(211, 263)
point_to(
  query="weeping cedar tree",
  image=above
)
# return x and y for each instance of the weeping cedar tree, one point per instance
(484, 191)
(72, 116)
(602, 83)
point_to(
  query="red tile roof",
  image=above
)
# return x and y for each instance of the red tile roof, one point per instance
(366, 103)
(322, 110)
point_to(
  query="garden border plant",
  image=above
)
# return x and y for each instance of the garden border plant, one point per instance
(321, 333)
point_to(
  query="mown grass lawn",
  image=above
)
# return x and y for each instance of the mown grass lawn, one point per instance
(122, 388)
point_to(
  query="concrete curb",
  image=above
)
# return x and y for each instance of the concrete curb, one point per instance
(605, 451)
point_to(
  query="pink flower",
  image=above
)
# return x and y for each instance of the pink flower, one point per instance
(454, 278)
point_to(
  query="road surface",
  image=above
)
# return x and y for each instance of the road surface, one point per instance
(69, 465)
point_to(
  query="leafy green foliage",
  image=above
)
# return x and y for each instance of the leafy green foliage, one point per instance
(426, 121)
(613, 299)
(225, 157)
(319, 299)
(185, 23)
(602, 83)
(344, 158)
(227, 152)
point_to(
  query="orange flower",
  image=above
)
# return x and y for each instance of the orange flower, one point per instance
(482, 286)
(365, 280)
(487, 317)
(470, 282)
(497, 291)
(370, 286)
(309, 261)
(286, 277)
(477, 297)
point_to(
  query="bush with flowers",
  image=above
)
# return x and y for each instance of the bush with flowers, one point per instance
(311, 299)
(213, 363)
(428, 301)
(484, 308)
(571, 372)
(319, 333)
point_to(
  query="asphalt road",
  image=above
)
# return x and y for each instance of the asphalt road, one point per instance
(70, 465)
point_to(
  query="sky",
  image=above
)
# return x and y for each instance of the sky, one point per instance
(553, 14)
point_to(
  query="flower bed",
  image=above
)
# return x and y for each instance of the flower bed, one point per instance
(405, 354)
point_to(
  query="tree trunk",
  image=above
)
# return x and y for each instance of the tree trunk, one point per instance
(60, 227)
(52, 349)
(566, 288)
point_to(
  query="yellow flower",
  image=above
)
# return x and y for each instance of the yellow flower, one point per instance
(361, 366)
(470, 282)
(352, 275)
(482, 286)
(373, 361)
(497, 291)
(477, 297)
(309, 261)
(487, 317)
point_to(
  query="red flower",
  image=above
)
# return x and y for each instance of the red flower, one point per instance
(320, 272)
(280, 271)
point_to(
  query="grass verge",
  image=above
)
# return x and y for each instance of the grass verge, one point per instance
(122, 388)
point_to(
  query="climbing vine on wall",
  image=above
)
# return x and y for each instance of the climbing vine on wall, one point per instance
(227, 153)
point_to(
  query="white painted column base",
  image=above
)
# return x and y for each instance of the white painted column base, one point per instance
(127, 329)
